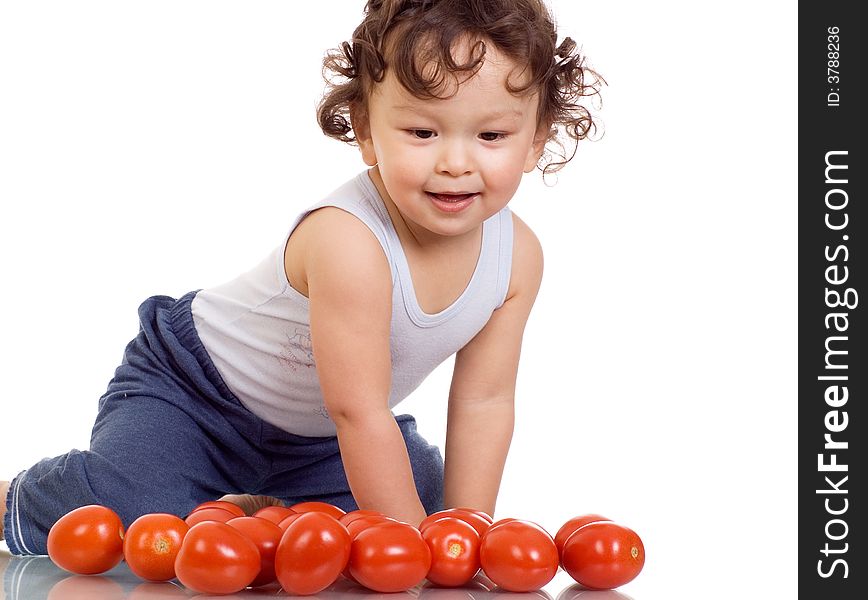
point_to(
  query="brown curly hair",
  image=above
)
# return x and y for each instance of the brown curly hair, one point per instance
(416, 38)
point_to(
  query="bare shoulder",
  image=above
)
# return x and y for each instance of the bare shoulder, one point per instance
(527, 261)
(333, 243)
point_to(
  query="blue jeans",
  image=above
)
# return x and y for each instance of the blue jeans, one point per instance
(169, 434)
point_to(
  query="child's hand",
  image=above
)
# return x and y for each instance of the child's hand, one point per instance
(250, 504)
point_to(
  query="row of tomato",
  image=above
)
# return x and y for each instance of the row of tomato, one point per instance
(217, 549)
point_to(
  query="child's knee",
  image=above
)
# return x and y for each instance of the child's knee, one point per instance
(428, 473)
(54, 486)
(427, 464)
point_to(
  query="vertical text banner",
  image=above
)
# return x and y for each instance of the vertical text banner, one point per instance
(832, 371)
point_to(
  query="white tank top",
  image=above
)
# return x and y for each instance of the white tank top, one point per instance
(256, 328)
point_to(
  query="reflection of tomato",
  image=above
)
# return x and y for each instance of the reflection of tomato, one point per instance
(266, 535)
(216, 559)
(570, 526)
(454, 546)
(472, 590)
(151, 544)
(314, 506)
(519, 556)
(156, 591)
(224, 504)
(84, 587)
(87, 540)
(389, 557)
(312, 553)
(275, 514)
(580, 592)
(430, 591)
(478, 522)
(209, 513)
(603, 555)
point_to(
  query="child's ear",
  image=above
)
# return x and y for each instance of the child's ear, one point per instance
(362, 130)
(535, 152)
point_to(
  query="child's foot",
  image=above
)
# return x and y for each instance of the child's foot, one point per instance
(4, 488)
(250, 503)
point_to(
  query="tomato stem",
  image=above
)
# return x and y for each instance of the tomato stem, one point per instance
(161, 546)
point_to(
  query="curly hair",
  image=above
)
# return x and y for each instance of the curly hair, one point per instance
(416, 39)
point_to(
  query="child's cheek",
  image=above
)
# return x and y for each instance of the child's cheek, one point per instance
(504, 173)
(407, 174)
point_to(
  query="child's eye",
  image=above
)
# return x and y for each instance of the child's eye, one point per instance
(491, 136)
(422, 134)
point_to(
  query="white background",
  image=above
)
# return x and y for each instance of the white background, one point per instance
(158, 147)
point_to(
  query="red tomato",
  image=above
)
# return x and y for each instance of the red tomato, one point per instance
(361, 523)
(479, 523)
(151, 544)
(284, 523)
(351, 516)
(389, 557)
(216, 559)
(603, 555)
(275, 514)
(224, 504)
(570, 526)
(519, 556)
(312, 553)
(209, 513)
(87, 540)
(481, 513)
(313, 506)
(454, 546)
(266, 535)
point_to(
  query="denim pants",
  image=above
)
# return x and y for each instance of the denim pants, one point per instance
(169, 434)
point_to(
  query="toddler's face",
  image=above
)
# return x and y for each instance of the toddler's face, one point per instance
(449, 164)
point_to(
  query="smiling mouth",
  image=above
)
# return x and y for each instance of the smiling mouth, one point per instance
(452, 203)
(451, 197)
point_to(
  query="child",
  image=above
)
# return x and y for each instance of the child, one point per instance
(280, 383)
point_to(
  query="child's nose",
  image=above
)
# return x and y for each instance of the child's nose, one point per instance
(455, 158)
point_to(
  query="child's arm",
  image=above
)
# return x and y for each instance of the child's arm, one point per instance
(480, 421)
(349, 284)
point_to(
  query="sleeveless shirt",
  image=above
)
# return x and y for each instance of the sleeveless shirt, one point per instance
(256, 328)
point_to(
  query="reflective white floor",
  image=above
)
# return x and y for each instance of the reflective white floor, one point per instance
(37, 578)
